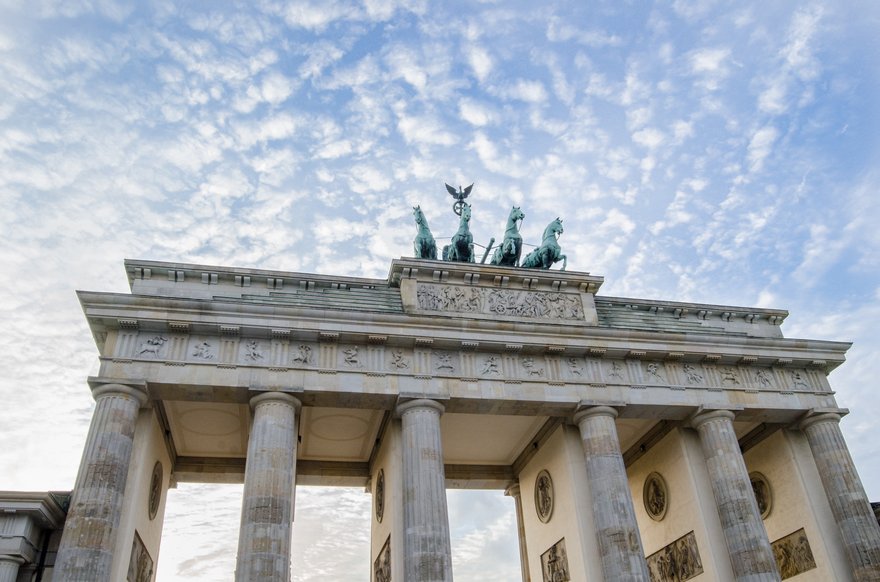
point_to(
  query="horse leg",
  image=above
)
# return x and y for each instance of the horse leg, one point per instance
(564, 262)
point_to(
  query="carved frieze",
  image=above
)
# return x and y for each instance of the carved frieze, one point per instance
(514, 364)
(676, 562)
(554, 563)
(140, 565)
(500, 302)
(793, 554)
(382, 564)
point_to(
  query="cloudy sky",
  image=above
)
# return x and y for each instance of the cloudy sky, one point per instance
(696, 151)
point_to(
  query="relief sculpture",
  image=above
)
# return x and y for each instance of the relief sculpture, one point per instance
(303, 355)
(443, 361)
(793, 554)
(693, 376)
(382, 565)
(140, 565)
(252, 351)
(152, 346)
(203, 351)
(398, 360)
(532, 368)
(504, 302)
(554, 563)
(677, 562)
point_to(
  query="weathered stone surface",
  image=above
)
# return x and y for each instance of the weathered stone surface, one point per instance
(620, 546)
(9, 568)
(744, 533)
(427, 549)
(267, 504)
(846, 495)
(88, 543)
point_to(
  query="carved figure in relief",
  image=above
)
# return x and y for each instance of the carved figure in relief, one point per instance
(203, 351)
(490, 366)
(762, 377)
(728, 376)
(654, 370)
(350, 356)
(153, 346)
(692, 375)
(444, 362)
(461, 248)
(424, 244)
(398, 360)
(677, 562)
(531, 368)
(303, 355)
(616, 370)
(574, 367)
(549, 252)
(252, 351)
(382, 565)
(509, 252)
(797, 380)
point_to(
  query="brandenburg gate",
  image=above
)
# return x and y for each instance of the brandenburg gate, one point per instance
(639, 439)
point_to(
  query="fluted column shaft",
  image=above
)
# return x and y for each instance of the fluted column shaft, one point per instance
(515, 492)
(269, 481)
(87, 545)
(620, 546)
(846, 495)
(9, 568)
(744, 533)
(427, 549)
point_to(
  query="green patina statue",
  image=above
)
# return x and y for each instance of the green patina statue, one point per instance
(549, 252)
(508, 253)
(461, 248)
(424, 244)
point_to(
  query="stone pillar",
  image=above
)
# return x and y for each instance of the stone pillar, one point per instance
(620, 546)
(269, 481)
(9, 567)
(427, 553)
(514, 491)
(849, 503)
(88, 543)
(744, 533)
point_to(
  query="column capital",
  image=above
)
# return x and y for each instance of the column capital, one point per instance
(703, 416)
(410, 405)
(17, 560)
(282, 397)
(513, 490)
(591, 411)
(817, 415)
(113, 389)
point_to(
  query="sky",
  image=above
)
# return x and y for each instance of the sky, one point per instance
(696, 150)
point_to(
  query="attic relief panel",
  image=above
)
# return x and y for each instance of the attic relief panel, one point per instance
(500, 302)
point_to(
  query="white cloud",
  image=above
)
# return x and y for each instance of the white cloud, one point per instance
(475, 113)
(524, 90)
(760, 146)
(480, 62)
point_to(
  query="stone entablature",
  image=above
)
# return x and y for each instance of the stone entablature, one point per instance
(513, 362)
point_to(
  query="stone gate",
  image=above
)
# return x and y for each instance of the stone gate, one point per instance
(640, 439)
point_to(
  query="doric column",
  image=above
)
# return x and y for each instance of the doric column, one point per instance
(514, 491)
(620, 546)
(849, 504)
(427, 553)
(744, 533)
(87, 545)
(269, 481)
(9, 567)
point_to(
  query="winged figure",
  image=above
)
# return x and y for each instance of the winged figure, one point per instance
(461, 194)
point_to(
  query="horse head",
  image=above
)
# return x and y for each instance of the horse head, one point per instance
(553, 229)
(516, 214)
(419, 215)
(466, 213)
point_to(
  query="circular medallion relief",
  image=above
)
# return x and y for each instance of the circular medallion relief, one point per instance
(380, 496)
(763, 494)
(155, 490)
(544, 496)
(655, 496)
